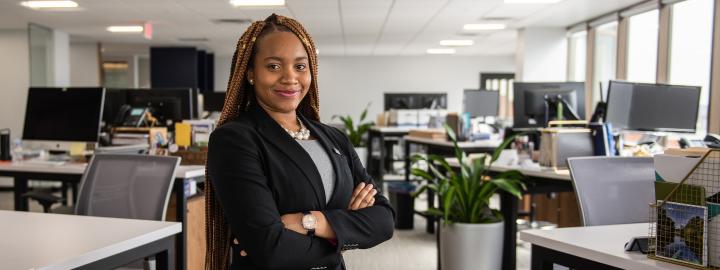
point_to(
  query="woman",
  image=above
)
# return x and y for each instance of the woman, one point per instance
(291, 191)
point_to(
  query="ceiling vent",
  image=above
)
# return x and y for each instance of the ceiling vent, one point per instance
(194, 39)
(231, 21)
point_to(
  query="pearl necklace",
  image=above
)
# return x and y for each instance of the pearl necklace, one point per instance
(302, 134)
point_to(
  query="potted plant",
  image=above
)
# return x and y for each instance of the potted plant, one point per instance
(471, 236)
(356, 131)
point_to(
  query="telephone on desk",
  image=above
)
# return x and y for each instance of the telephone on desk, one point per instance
(711, 141)
(132, 116)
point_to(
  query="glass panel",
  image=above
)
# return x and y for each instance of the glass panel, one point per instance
(605, 57)
(642, 47)
(41, 55)
(115, 74)
(691, 50)
(578, 48)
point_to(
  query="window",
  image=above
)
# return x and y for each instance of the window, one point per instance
(642, 47)
(578, 48)
(605, 57)
(691, 50)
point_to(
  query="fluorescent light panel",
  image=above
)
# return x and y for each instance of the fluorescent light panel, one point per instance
(456, 42)
(532, 1)
(49, 4)
(257, 3)
(125, 29)
(440, 51)
(484, 26)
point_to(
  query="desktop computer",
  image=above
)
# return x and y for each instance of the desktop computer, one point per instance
(57, 118)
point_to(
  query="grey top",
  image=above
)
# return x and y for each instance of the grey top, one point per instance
(322, 162)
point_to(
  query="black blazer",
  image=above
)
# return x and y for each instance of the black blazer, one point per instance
(260, 173)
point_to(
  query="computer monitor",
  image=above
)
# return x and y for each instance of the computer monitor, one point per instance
(481, 102)
(168, 105)
(652, 107)
(213, 101)
(528, 113)
(114, 100)
(57, 117)
(415, 101)
(535, 101)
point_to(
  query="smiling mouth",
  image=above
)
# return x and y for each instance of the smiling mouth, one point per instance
(287, 93)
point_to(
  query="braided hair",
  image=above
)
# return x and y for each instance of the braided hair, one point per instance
(238, 98)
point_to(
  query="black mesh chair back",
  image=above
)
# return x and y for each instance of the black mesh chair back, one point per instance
(127, 186)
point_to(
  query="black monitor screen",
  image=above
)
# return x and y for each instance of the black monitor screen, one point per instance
(653, 107)
(213, 101)
(114, 100)
(415, 101)
(481, 102)
(57, 114)
(535, 100)
(166, 104)
(527, 110)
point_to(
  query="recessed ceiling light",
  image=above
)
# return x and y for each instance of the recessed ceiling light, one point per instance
(440, 51)
(49, 4)
(484, 26)
(532, 1)
(456, 42)
(125, 29)
(257, 3)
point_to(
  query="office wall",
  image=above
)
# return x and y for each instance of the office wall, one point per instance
(541, 55)
(14, 79)
(61, 59)
(347, 84)
(14, 82)
(84, 64)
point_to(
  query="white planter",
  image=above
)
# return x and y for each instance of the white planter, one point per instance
(471, 246)
(362, 153)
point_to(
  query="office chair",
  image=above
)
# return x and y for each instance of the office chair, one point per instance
(613, 190)
(122, 186)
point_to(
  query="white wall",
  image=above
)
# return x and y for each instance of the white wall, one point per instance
(347, 84)
(541, 55)
(61, 59)
(14, 79)
(84, 65)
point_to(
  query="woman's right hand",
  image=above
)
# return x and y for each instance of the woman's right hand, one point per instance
(363, 196)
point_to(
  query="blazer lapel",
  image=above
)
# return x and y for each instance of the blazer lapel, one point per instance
(277, 136)
(339, 161)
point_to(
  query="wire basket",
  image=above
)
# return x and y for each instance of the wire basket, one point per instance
(684, 223)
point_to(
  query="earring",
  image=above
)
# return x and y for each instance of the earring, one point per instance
(252, 82)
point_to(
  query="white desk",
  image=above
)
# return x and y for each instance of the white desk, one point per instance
(542, 172)
(182, 172)
(596, 247)
(72, 173)
(52, 241)
(486, 144)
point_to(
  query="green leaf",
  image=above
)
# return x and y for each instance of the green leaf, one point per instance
(504, 145)
(507, 186)
(423, 174)
(434, 212)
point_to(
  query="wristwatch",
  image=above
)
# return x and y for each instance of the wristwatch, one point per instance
(309, 222)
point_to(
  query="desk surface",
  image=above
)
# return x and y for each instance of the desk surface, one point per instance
(53, 241)
(393, 129)
(427, 141)
(602, 244)
(542, 172)
(182, 172)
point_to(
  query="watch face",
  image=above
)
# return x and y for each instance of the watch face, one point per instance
(309, 221)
